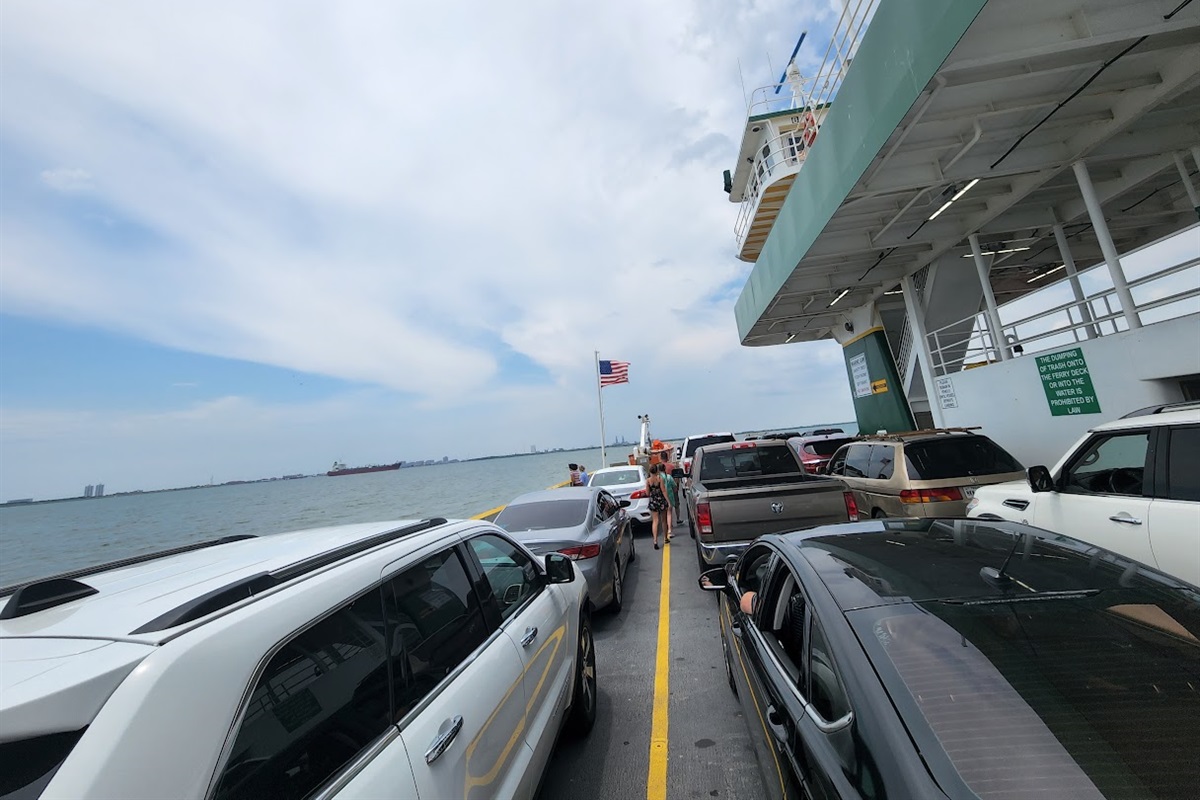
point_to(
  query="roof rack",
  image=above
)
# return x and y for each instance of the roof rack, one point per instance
(122, 562)
(1158, 409)
(899, 435)
(251, 585)
(39, 596)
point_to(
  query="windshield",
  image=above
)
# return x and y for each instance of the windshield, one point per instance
(543, 514)
(769, 460)
(1078, 696)
(701, 441)
(620, 477)
(957, 457)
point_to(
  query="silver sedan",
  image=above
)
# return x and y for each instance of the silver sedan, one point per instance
(584, 523)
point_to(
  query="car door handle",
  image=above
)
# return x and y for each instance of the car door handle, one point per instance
(444, 739)
(1126, 518)
(775, 721)
(530, 635)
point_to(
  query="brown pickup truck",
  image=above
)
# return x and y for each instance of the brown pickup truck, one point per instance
(741, 490)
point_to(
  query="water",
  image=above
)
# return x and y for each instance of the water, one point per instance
(42, 539)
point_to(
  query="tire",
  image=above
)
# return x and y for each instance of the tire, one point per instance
(582, 715)
(618, 598)
(878, 514)
(632, 549)
(704, 565)
(691, 527)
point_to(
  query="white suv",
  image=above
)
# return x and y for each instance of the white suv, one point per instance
(1131, 486)
(418, 658)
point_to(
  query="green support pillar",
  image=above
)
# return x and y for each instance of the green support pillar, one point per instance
(879, 400)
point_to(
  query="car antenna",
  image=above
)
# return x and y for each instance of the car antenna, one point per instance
(997, 577)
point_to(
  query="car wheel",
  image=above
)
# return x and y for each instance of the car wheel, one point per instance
(632, 554)
(583, 706)
(691, 527)
(878, 514)
(618, 583)
(728, 664)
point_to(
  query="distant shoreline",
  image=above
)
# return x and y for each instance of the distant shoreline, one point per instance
(24, 502)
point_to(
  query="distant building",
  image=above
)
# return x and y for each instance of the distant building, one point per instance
(99, 490)
(533, 448)
(89, 490)
(445, 459)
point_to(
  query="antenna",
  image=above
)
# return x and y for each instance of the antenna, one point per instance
(791, 58)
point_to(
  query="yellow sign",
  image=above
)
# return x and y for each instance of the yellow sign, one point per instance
(879, 386)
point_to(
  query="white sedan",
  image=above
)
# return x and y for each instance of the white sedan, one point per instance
(1131, 486)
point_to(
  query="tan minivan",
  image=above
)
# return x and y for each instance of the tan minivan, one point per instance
(921, 474)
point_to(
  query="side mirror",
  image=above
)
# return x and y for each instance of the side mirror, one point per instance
(1040, 480)
(714, 580)
(559, 569)
(677, 472)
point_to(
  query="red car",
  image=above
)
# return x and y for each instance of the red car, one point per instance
(815, 451)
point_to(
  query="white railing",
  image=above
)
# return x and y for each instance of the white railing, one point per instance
(1165, 293)
(809, 94)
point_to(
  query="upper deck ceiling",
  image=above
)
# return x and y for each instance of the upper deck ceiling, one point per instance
(1028, 87)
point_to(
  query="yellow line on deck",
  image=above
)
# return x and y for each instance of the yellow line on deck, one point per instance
(656, 782)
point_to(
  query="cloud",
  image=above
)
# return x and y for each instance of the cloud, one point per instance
(67, 179)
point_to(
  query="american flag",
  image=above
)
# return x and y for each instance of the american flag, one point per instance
(612, 372)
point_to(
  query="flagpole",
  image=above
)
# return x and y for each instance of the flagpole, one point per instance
(600, 399)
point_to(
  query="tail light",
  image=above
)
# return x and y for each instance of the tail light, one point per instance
(704, 518)
(851, 506)
(640, 494)
(581, 552)
(930, 495)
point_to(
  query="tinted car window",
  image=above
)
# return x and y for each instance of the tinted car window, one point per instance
(435, 621)
(543, 514)
(1183, 464)
(825, 690)
(321, 699)
(701, 441)
(837, 464)
(512, 575)
(1100, 686)
(957, 457)
(1110, 465)
(759, 460)
(858, 460)
(883, 459)
(623, 477)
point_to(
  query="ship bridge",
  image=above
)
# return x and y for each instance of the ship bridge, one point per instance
(977, 152)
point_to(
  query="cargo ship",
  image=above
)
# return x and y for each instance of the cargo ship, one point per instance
(341, 469)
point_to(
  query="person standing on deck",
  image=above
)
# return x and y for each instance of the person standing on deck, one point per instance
(583, 475)
(658, 506)
(672, 493)
(576, 480)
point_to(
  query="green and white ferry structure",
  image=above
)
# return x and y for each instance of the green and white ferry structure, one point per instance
(992, 206)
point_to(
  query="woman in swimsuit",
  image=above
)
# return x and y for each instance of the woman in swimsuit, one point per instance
(658, 505)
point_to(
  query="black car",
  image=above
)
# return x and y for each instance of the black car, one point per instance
(961, 658)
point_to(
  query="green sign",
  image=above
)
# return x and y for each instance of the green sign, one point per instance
(1068, 383)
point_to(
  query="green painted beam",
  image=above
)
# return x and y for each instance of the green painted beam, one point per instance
(905, 45)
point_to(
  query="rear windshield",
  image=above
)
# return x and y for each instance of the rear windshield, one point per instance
(824, 447)
(543, 515)
(622, 477)
(1092, 696)
(957, 457)
(701, 441)
(747, 461)
(27, 765)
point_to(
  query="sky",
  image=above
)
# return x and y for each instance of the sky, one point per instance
(246, 240)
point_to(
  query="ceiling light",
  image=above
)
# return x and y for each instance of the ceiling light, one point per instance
(957, 195)
(1001, 251)
(789, 338)
(964, 190)
(1044, 274)
(897, 291)
(839, 297)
